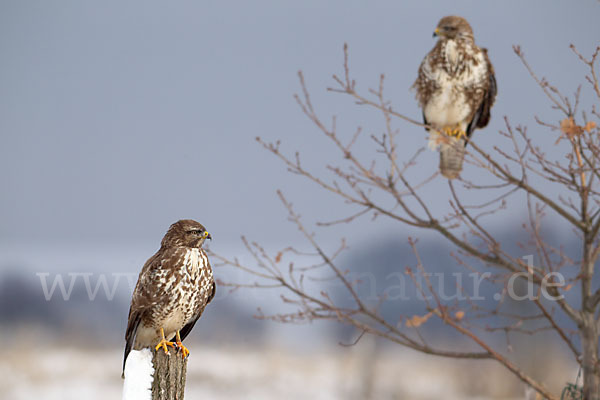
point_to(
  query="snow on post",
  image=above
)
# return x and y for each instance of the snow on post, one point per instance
(154, 375)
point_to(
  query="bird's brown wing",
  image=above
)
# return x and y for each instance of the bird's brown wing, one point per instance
(482, 116)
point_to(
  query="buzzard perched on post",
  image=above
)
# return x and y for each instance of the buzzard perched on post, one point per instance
(173, 288)
(456, 89)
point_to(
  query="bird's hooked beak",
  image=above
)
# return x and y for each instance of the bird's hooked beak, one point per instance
(207, 235)
(436, 32)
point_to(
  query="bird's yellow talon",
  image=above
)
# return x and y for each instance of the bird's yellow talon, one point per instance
(164, 343)
(454, 132)
(184, 350)
(459, 133)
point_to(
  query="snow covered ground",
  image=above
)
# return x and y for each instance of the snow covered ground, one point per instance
(359, 372)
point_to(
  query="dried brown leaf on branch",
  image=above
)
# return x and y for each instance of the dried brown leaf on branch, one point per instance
(459, 315)
(278, 257)
(418, 320)
(568, 287)
(571, 129)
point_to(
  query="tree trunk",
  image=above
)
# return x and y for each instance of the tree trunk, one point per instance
(588, 328)
(589, 344)
(169, 375)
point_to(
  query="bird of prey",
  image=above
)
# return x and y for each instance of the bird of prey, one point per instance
(456, 88)
(172, 290)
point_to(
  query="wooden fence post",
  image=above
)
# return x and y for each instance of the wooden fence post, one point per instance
(169, 375)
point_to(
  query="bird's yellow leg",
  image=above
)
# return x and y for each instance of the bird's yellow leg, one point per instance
(184, 350)
(164, 343)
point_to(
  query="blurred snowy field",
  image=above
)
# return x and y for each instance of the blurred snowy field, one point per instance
(358, 372)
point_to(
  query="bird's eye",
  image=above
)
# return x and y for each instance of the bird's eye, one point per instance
(196, 232)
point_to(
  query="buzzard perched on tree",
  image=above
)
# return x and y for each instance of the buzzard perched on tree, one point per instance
(172, 290)
(456, 89)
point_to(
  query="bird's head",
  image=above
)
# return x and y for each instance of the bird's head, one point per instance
(186, 233)
(453, 27)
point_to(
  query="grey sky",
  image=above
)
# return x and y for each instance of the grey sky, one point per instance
(118, 118)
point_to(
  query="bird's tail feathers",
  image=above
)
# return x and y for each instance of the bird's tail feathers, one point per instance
(452, 155)
(132, 326)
